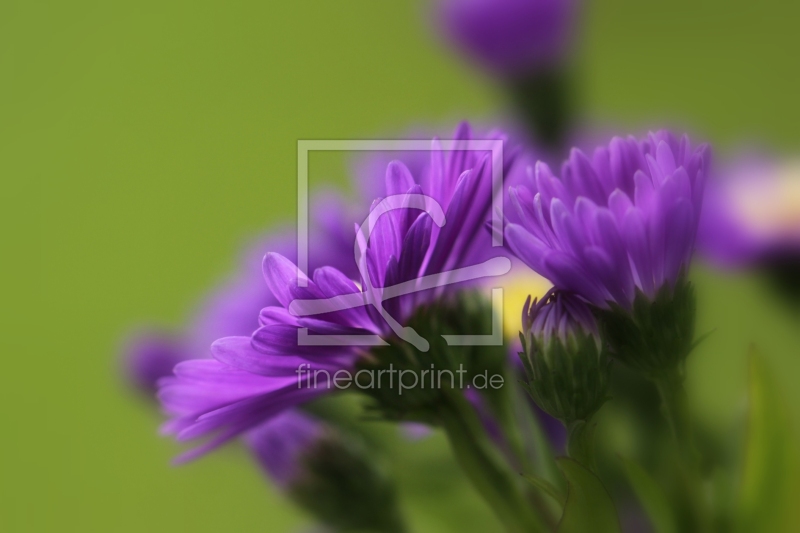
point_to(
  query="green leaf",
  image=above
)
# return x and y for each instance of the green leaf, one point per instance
(547, 488)
(537, 453)
(589, 506)
(652, 498)
(701, 339)
(765, 500)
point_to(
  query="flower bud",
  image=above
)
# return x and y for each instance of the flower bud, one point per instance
(566, 363)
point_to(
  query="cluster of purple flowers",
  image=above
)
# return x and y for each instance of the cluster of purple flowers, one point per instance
(614, 232)
(618, 224)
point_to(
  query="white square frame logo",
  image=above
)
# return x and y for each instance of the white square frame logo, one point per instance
(305, 147)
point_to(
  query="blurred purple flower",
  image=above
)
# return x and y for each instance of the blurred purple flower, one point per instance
(254, 378)
(280, 444)
(150, 356)
(623, 221)
(233, 308)
(511, 37)
(751, 214)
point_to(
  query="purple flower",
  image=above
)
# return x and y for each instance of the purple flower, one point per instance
(157, 358)
(228, 310)
(281, 443)
(330, 474)
(233, 307)
(511, 37)
(253, 378)
(751, 215)
(150, 356)
(621, 222)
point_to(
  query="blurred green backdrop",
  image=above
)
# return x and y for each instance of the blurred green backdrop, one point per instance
(140, 142)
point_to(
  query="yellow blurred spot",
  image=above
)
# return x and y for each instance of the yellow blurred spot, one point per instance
(517, 285)
(771, 206)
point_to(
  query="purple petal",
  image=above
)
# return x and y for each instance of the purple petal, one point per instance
(281, 275)
(398, 179)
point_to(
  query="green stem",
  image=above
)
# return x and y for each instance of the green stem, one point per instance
(491, 476)
(535, 448)
(544, 101)
(674, 407)
(531, 448)
(580, 443)
(675, 410)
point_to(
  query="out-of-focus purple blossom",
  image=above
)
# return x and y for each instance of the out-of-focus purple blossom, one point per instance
(233, 309)
(230, 309)
(511, 38)
(621, 221)
(253, 378)
(751, 214)
(150, 356)
(280, 444)
(327, 472)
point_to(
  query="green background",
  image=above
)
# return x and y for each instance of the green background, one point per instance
(140, 142)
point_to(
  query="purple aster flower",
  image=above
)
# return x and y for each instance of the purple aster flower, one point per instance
(230, 309)
(253, 378)
(281, 443)
(614, 225)
(751, 219)
(150, 356)
(752, 213)
(326, 472)
(233, 308)
(511, 37)
(526, 44)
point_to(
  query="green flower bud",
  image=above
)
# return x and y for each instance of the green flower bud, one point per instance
(565, 360)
